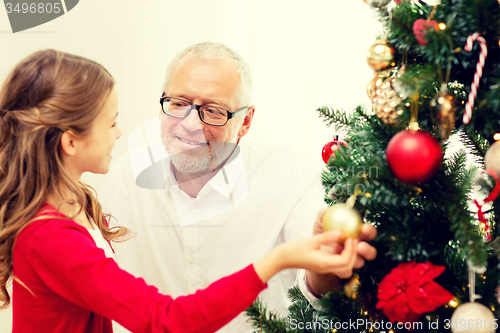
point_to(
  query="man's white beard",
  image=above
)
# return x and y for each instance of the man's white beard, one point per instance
(212, 157)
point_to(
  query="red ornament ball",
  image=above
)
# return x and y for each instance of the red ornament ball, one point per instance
(420, 29)
(414, 156)
(330, 148)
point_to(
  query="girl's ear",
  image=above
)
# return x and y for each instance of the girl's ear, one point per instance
(68, 143)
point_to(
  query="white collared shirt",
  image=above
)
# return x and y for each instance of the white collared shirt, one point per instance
(284, 195)
(153, 169)
(221, 193)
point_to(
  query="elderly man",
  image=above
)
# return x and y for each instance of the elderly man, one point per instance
(202, 203)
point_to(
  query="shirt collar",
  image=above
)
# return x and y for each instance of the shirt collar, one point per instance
(223, 181)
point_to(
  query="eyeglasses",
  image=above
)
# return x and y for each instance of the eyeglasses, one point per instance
(211, 115)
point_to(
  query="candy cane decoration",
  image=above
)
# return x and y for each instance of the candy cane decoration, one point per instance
(477, 75)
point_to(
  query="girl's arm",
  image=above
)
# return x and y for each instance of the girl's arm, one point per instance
(307, 253)
(64, 256)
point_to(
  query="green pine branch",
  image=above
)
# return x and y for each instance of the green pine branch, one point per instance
(266, 321)
(430, 221)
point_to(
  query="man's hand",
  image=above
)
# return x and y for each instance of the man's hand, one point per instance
(322, 283)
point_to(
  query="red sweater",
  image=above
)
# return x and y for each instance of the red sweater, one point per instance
(74, 288)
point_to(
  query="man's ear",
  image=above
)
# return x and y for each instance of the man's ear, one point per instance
(68, 143)
(245, 127)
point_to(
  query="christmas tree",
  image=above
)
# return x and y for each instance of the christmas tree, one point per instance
(436, 82)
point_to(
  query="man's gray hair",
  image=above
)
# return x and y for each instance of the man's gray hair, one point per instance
(214, 51)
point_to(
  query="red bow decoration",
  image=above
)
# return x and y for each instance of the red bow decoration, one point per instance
(493, 195)
(482, 219)
(409, 290)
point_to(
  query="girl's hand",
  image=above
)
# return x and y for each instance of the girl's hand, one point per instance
(312, 254)
(322, 283)
(364, 250)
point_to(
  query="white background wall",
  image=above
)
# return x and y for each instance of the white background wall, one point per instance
(303, 55)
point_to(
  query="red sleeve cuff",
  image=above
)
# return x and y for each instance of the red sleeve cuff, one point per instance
(253, 275)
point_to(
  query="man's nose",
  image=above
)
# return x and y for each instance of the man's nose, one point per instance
(192, 122)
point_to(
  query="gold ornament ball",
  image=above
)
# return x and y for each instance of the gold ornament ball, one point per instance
(492, 158)
(381, 56)
(443, 113)
(386, 101)
(351, 287)
(371, 88)
(342, 217)
(472, 318)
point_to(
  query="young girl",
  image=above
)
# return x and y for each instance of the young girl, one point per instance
(57, 120)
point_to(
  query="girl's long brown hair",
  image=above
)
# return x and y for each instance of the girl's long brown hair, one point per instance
(46, 94)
